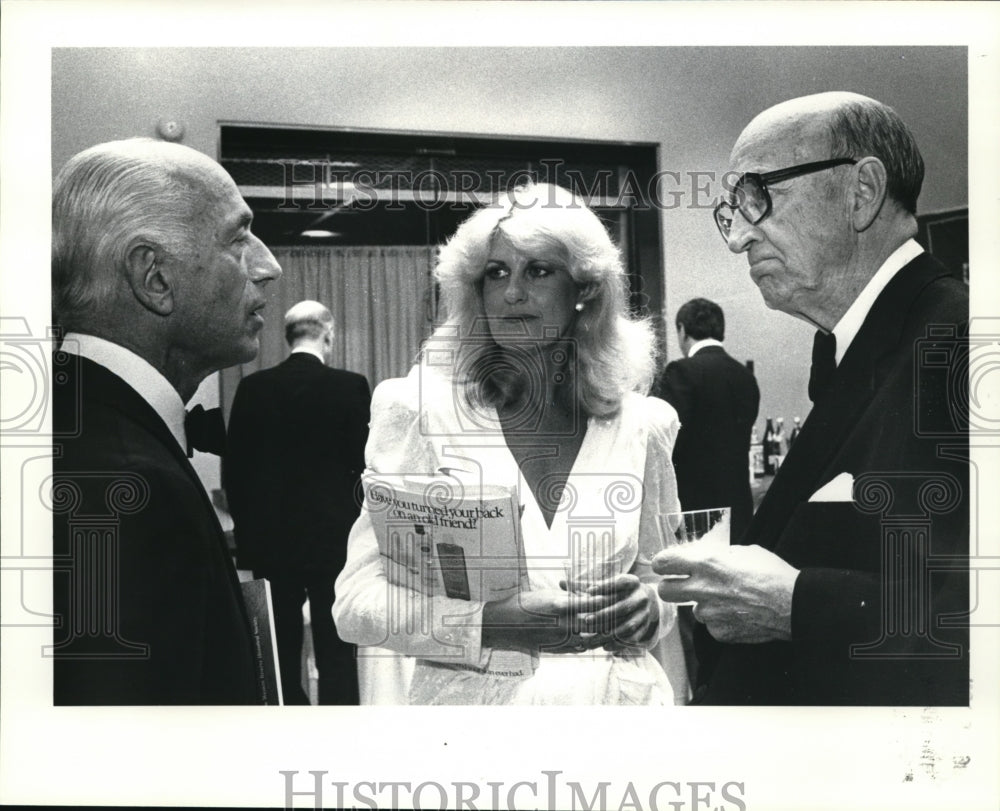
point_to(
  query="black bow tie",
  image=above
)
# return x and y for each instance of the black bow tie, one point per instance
(824, 364)
(206, 431)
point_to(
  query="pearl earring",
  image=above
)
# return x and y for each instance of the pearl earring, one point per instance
(579, 307)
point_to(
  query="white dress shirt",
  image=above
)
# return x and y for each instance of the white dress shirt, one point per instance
(850, 322)
(702, 344)
(308, 351)
(152, 386)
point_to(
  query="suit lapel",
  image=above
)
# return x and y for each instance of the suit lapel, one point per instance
(100, 385)
(838, 412)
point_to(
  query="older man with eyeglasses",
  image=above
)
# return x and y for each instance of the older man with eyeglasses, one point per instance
(850, 585)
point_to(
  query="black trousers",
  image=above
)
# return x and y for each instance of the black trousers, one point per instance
(336, 660)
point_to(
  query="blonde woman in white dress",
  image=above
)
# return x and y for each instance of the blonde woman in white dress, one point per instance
(535, 380)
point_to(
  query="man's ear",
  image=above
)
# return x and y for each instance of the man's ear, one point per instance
(870, 188)
(149, 280)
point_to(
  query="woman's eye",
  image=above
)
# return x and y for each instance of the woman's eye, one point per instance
(496, 272)
(539, 271)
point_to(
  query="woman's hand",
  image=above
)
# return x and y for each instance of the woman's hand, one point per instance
(545, 619)
(630, 617)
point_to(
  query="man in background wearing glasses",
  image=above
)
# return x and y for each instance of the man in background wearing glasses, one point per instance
(850, 586)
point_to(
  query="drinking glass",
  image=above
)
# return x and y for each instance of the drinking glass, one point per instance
(704, 526)
(591, 558)
(695, 526)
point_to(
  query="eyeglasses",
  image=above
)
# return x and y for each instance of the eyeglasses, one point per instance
(751, 197)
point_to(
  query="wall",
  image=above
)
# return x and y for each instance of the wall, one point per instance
(626, 94)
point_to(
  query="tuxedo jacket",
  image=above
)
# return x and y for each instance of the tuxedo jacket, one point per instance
(717, 399)
(879, 605)
(296, 451)
(148, 606)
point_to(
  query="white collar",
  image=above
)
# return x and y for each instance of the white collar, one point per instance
(702, 344)
(152, 386)
(307, 350)
(851, 321)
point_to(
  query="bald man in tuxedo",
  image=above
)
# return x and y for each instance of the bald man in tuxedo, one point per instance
(297, 435)
(850, 585)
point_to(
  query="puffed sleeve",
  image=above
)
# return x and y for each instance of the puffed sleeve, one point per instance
(368, 609)
(659, 495)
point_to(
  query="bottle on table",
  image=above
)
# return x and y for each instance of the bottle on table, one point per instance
(769, 447)
(796, 427)
(778, 447)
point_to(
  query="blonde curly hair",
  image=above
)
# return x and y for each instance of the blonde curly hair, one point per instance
(615, 351)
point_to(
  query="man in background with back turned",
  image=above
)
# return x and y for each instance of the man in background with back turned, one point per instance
(716, 398)
(297, 435)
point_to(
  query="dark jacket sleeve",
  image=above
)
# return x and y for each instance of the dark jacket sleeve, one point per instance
(253, 486)
(168, 636)
(359, 430)
(677, 388)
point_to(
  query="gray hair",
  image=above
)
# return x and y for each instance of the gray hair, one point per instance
(307, 320)
(862, 127)
(105, 199)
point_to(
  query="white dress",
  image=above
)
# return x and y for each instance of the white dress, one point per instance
(621, 480)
